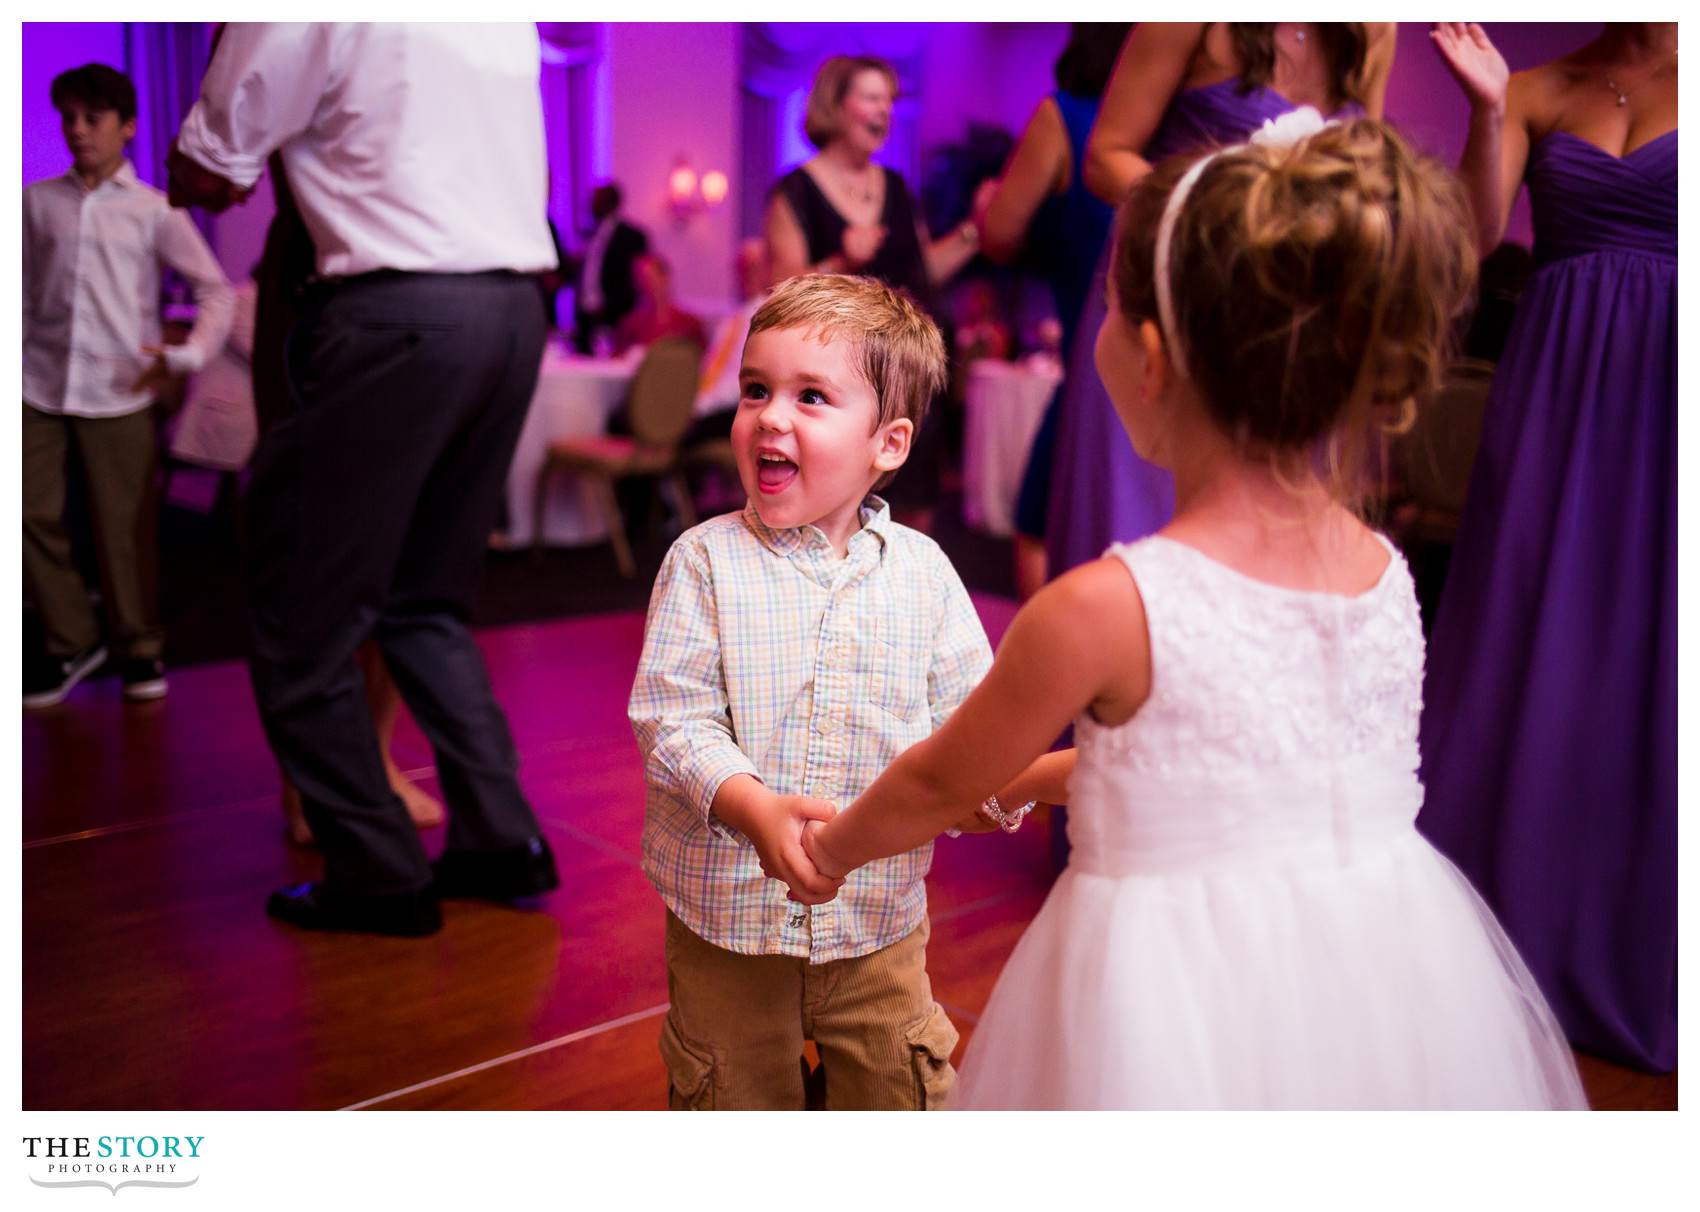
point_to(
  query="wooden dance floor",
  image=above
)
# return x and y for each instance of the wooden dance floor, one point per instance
(153, 979)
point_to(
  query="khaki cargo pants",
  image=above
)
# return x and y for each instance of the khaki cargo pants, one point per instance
(733, 1038)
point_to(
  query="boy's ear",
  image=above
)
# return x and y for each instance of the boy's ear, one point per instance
(894, 439)
(129, 130)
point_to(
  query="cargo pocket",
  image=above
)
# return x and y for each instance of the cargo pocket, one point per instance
(931, 1041)
(690, 1071)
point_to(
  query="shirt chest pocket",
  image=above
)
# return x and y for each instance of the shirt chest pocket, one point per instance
(896, 672)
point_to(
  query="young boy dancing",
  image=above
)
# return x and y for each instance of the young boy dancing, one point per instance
(791, 652)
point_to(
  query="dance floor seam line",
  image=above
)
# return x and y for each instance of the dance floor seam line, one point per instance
(495, 1062)
(172, 818)
(985, 902)
(957, 1012)
(591, 840)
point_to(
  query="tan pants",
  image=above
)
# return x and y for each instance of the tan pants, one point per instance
(733, 1039)
(119, 456)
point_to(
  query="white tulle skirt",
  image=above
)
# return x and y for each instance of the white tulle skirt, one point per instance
(1309, 981)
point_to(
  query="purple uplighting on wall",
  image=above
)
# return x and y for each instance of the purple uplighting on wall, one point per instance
(627, 102)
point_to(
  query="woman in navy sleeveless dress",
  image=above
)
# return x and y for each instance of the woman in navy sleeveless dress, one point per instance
(1068, 234)
(1041, 212)
(1549, 721)
(1101, 491)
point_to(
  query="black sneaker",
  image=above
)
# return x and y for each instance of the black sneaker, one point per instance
(144, 678)
(48, 680)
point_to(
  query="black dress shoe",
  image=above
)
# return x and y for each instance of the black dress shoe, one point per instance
(510, 873)
(315, 907)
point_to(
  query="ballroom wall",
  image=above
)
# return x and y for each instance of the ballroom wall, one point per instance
(672, 94)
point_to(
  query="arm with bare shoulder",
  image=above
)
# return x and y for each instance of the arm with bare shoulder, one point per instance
(1150, 71)
(1081, 641)
(1383, 38)
(1038, 168)
(1497, 148)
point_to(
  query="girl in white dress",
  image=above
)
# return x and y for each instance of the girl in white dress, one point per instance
(1249, 917)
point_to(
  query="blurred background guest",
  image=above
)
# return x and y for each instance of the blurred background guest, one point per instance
(422, 339)
(606, 289)
(1179, 86)
(1041, 205)
(1549, 739)
(656, 315)
(840, 212)
(95, 241)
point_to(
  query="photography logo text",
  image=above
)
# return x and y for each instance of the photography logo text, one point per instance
(113, 1162)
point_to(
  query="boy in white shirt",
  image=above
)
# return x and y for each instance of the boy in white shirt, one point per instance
(94, 242)
(791, 652)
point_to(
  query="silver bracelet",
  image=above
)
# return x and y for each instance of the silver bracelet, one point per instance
(1009, 821)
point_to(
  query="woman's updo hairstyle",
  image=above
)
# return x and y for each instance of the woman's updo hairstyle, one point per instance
(1313, 285)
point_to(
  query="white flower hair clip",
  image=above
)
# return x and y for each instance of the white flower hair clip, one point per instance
(1290, 127)
(1285, 131)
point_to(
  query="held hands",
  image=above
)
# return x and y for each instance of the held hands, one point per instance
(825, 862)
(862, 243)
(1479, 68)
(776, 827)
(156, 376)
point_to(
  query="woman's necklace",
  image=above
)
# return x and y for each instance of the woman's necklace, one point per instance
(860, 185)
(1623, 95)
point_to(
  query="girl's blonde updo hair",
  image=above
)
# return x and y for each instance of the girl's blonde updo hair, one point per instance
(1314, 285)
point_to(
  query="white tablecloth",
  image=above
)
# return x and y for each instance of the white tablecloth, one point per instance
(575, 397)
(1004, 404)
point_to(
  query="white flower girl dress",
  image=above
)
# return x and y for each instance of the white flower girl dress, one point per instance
(1249, 917)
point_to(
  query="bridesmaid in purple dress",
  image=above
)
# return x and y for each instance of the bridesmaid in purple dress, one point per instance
(1549, 721)
(1178, 86)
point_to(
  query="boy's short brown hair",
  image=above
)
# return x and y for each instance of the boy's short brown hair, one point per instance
(895, 345)
(95, 86)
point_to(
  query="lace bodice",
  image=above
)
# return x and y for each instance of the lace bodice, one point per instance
(1274, 714)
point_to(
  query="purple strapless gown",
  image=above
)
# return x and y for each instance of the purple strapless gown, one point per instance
(1101, 491)
(1549, 721)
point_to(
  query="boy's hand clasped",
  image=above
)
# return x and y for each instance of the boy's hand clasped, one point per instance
(776, 828)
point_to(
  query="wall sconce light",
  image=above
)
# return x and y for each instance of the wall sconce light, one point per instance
(689, 195)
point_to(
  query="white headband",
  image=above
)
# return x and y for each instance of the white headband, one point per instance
(1285, 131)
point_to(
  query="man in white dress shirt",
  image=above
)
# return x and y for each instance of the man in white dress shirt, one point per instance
(416, 156)
(94, 243)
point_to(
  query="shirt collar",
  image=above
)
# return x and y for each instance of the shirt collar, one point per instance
(125, 176)
(810, 540)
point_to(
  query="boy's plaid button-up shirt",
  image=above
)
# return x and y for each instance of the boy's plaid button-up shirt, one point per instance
(765, 654)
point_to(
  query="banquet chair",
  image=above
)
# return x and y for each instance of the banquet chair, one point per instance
(1433, 459)
(658, 411)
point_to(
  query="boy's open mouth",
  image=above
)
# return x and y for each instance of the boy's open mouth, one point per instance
(774, 473)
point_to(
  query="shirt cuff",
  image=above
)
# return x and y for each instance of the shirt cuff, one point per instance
(702, 783)
(182, 359)
(196, 140)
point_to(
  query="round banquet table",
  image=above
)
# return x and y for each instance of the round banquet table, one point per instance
(575, 396)
(1003, 405)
